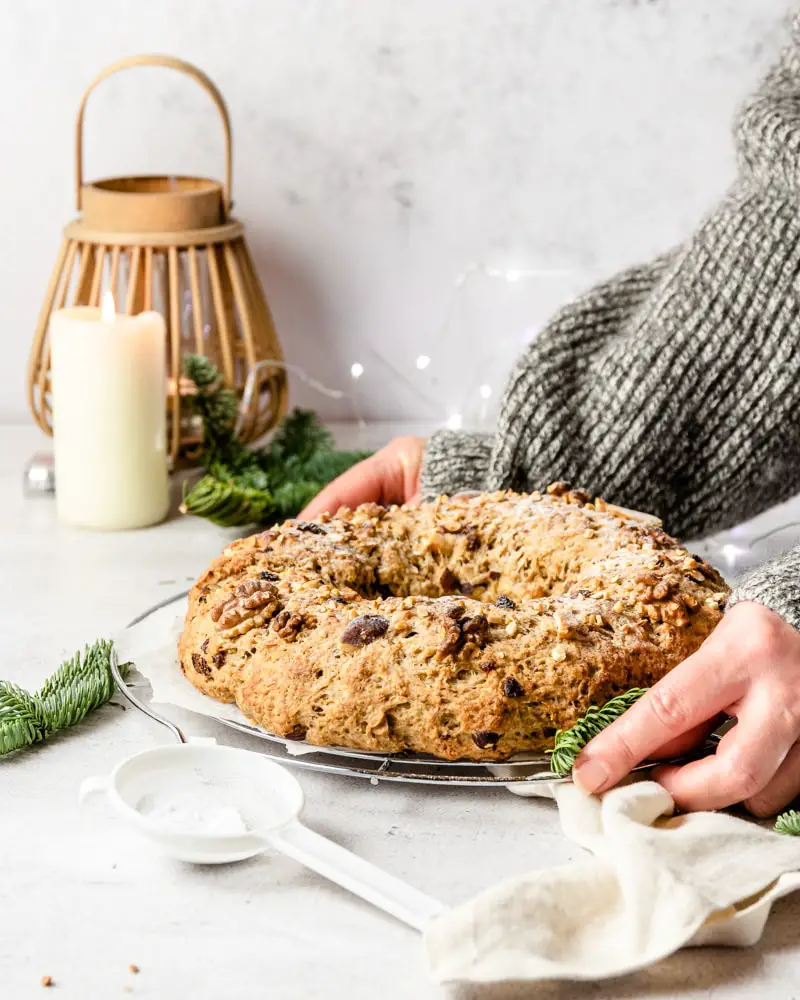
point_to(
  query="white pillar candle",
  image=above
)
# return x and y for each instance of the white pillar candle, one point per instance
(108, 375)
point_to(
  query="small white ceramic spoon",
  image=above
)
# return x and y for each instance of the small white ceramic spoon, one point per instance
(258, 803)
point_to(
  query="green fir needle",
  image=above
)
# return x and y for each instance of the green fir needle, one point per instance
(244, 486)
(80, 685)
(569, 742)
(788, 823)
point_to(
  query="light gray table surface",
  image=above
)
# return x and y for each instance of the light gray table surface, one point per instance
(81, 898)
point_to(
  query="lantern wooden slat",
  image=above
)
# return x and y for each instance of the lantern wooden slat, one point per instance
(80, 281)
(222, 314)
(97, 278)
(174, 341)
(197, 300)
(134, 300)
(272, 392)
(83, 286)
(113, 272)
(240, 302)
(58, 303)
(41, 329)
(147, 303)
(169, 243)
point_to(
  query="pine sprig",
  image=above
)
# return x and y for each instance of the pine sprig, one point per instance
(226, 503)
(788, 823)
(80, 685)
(258, 486)
(569, 742)
(22, 720)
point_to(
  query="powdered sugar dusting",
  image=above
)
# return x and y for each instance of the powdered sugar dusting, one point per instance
(195, 811)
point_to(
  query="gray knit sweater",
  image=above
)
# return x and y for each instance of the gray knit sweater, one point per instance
(674, 387)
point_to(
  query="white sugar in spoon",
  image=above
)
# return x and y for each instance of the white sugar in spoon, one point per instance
(210, 804)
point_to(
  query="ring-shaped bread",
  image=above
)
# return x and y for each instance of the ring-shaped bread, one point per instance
(471, 627)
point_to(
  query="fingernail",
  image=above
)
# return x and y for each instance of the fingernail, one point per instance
(590, 776)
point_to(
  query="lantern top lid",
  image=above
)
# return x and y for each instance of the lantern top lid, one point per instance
(155, 204)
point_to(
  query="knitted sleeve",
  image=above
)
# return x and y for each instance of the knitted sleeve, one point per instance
(675, 387)
(776, 585)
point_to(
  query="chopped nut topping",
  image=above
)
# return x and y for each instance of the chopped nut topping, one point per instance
(253, 603)
(462, 630)
(511, 629)
(562, 629)
(558, 653)
(289, 624)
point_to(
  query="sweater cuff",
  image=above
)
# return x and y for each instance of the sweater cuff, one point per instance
(455, 461)
(776, 585)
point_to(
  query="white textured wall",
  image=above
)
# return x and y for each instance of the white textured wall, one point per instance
(380, 147)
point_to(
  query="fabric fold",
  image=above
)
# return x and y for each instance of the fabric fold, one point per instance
(654, 883)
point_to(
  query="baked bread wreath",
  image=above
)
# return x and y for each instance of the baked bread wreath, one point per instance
(471, 627)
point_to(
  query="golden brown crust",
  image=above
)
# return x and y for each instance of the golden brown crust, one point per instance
(472, 627)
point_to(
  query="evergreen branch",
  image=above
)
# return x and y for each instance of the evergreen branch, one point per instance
(80, 685)
(227, 503)
(21, 717)
(217, 407)
(95, 660)
(16, 734)
(265, 485)
(300, 436)
(788, 823)
(569, 743)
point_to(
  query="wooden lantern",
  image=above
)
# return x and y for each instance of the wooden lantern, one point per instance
(169, 244)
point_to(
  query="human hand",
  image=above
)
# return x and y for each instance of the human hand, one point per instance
(748, 668)
(389, 476)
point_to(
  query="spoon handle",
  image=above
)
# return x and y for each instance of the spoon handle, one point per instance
(356, 875)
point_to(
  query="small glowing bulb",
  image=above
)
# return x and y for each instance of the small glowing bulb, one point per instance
(732, 552)
(107, 309)
(423, 361)
(485, 391)
(454, 422)
(513, 275)
(356, 370)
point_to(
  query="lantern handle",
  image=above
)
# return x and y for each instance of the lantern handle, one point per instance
(168, 62)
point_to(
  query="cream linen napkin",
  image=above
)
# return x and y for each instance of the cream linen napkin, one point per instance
(655, 883)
